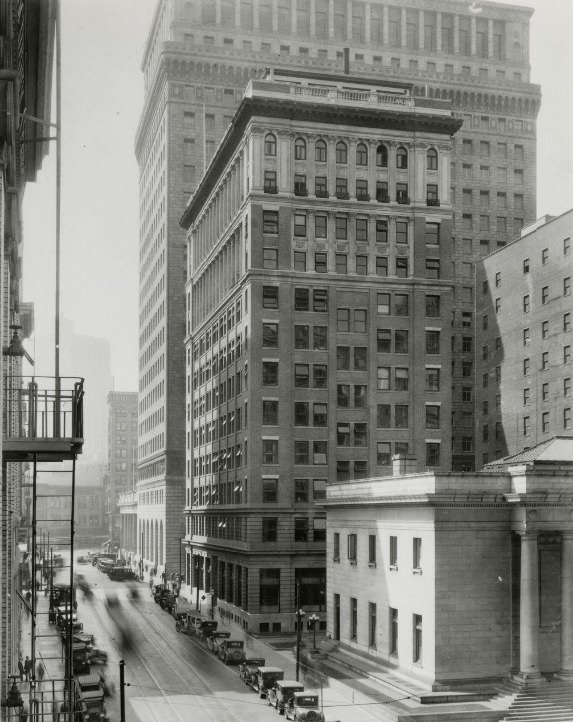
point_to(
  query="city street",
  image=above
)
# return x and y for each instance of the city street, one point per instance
(170, 676)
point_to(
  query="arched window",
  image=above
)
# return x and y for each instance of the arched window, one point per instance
(361, 154)
(320, 151)
(401, 157)
(270, 144)
(299, 149)
(382, 156)
(432, 159)
(341, 152)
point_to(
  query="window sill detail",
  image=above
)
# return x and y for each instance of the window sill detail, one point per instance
(417, 570)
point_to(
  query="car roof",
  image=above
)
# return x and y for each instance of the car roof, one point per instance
(290, 683)
(306, 694)
(89, 679)
(270, 669)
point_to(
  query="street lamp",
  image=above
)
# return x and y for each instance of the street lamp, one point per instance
(299, 617)
(312, 620)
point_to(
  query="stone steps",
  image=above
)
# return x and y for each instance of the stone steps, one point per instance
(552, 703)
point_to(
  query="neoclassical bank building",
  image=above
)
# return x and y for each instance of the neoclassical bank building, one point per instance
(455, 577)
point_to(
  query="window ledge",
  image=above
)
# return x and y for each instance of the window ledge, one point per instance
(417, 570)
(336, 560)
(372, 565)
(352, 562)
(393, 567)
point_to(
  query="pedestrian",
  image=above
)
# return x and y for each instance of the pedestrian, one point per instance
(21, 668)
(28, 598)
(40, 672)
(27, 668)
(150, 584)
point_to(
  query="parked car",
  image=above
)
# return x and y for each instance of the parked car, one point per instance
(95, 709)
(185, 623)
(231, 651)
(281, 692)
(205, 628)
(97, 656)
(89, 682)
(159, 590)
(248, 668)
(304, 707)
(167, 601)
(216, 639)
(265, 678)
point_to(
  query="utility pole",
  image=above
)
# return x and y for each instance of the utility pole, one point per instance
(121, 690)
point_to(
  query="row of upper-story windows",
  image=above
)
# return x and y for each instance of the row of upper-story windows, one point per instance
(396, 27)
(341, 153)
(223, 325)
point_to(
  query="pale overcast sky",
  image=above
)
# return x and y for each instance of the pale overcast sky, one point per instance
(102, 46)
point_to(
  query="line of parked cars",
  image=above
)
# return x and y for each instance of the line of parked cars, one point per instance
(287, 696)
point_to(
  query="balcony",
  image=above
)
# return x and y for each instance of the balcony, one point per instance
(42, 418)
(342, 195)
(382, 197)
(403, 199)
(363, 197)
(321, 193)
(271, 188)
(433, 202)
(300, 189)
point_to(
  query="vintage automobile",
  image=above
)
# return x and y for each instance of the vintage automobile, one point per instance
(62, 615)
(205, 628)
(304, 707)
(80, 656)
(167, 601)
(97, 656)
(231, 651)
(265, 678)
(280, 693)
(184, 623)
(92, 706)
(120, 573)
(159, 590)
(216, 639)
(248, 668)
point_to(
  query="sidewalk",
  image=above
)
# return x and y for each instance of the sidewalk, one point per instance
(357, 688)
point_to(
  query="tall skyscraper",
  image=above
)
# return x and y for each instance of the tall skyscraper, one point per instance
(319, 299)
(197, 62)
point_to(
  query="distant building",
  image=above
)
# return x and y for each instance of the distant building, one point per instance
(122, 448)
(457, 577)
(319, 308)
(524, 314)
(89, 357)
(53, 511)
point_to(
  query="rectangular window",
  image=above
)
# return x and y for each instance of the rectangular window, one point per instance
(270, 297)
(432, 379)
(432, 417)
(301, 299)
(301, 454)
(320, 187)
(270, 222)
(320, 338)
(417, 634)
(301, 376)
(382, 266)
(432, 453)
(301, 529)
(301, 415)
(343, 319)
(432, 306)
(372, 549)
(351, 549)
(270, 373)
(320, 221)
(341, 261)
(383, 304)
(381, 231)
(341, 228)
(417, 553)
(383, 453)
(270, 491)
(393, 641)
(402, 304)
(401, 231)
(300, 261)
(270, 526)
(383, 378)
(336, 547)
(320, 262)
(300, 224)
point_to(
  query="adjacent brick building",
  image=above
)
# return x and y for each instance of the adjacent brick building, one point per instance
(523, 354)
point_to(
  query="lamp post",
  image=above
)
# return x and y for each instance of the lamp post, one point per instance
(312, 620)
(299, 617)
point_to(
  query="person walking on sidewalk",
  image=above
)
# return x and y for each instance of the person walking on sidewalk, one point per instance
(40, 672)
(151, 584)
(27, 668)
(21, 668)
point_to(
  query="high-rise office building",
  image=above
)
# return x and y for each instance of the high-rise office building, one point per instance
(198, 59)
(319, 305)
(524, 320)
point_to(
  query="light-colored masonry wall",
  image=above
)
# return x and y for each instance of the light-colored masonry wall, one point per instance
(473, 594)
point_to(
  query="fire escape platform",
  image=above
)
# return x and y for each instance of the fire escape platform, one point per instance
(52, 450)
(42, 418)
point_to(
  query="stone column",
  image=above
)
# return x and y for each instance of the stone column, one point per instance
(566, 605)
(529, 608)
